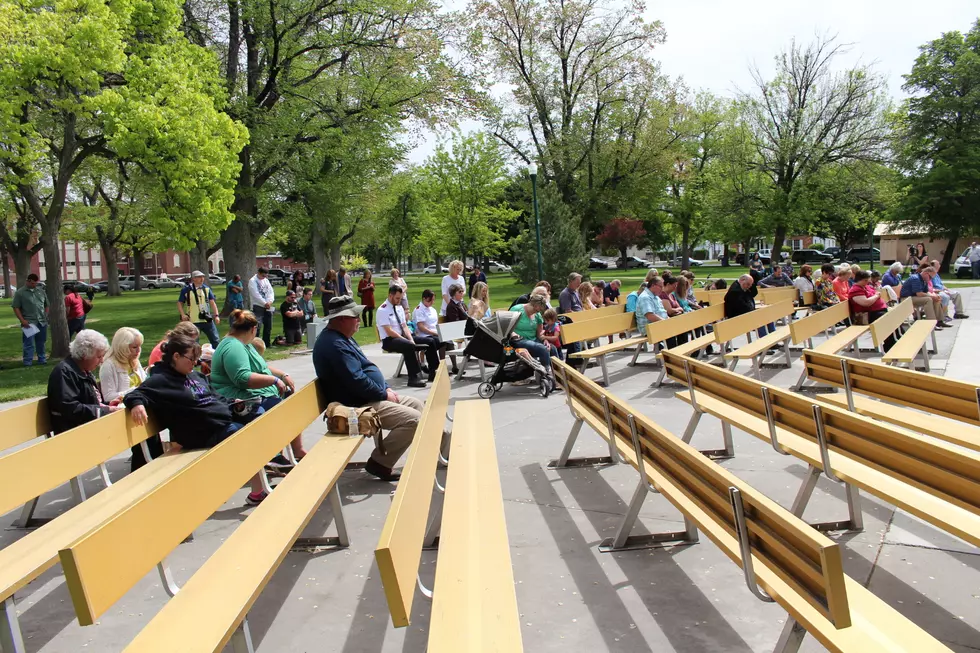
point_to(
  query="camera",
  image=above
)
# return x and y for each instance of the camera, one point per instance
(204, 315)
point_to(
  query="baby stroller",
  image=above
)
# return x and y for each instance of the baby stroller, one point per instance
(491, 342)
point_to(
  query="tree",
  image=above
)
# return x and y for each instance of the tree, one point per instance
(939, 138)
(18, 237)
(87, 78)
(847, 201)
(809, 116)
(622, 233)
(562, 245)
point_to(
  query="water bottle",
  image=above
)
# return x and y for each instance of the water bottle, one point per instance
(353, 429)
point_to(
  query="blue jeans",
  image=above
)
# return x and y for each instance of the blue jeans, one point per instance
(210, 330)
(37, 341)
(539, 350)
(763, 330)
(976, 269)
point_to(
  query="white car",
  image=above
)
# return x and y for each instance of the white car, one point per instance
(962, 267)
(431, 269)
(498, 267)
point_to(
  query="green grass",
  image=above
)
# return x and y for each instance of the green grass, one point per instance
(153, 312)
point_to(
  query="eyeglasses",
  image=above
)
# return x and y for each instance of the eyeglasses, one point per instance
(192, 359)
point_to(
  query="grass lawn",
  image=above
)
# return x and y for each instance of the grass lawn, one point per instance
(155, 311)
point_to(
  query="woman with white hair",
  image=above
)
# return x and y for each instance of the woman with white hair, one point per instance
(453, 278)
(73, 394)
(894, 275)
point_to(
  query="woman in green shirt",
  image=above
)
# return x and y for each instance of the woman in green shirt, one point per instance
(238, 371)
(529, 330)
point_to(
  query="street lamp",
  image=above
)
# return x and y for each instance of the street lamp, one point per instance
(532, 169)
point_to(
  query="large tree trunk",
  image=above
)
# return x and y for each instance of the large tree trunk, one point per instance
(335, 256)
(57, 320)
(138, 268)
(949, 253)
(320, 260)
(199, 256)
(6, 272)
(685, 246)
(22, 265)
(724, 257)
(777, 244)
(239, 244)
(110, 259)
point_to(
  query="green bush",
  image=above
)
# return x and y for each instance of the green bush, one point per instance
(562, 244)
(819, 246)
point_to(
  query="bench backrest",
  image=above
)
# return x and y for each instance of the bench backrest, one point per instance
(818, 322)
(733, 327)
(449, 331)
(663, 329)
(596, 313)
(399, 549)
(56, 460)
(777, 295)
(885, 325)
(957, 400)
(809, 297)
(25, 422)
(709, 296)
(592, 329)
(101, 566)
(802, 556)
(945, 470)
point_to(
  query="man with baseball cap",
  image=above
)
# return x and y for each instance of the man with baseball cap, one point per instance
(196, 304)
(346, 375)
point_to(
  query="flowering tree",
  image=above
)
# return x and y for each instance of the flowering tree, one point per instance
(621, 233)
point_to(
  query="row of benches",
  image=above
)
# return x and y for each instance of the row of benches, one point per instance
(108, 542)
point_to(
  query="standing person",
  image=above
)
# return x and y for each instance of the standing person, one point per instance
(119, 374)
(308, 307)
(292, 319)
(31, 308)
(235, 295)
(343, 282)
(476, 277)
(365, 290)
(398, 280)
(920, 255)
(395, 337)
(196, 305)
(328, 288)
(74, 311)
(973, 254)
(263, 295)
(480, 301)
(453, 278)
(73, 393)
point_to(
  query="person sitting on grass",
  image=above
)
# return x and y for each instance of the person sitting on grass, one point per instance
(73, 393)
(181, 400)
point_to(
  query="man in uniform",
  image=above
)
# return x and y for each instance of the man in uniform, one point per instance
(396, 337)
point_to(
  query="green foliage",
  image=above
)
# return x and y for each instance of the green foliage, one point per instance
(846, 201)
(562, 244)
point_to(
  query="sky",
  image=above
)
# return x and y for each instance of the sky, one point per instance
(712, 43)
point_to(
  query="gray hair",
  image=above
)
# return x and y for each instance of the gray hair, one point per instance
(537, 301)
(896, 268)
(88, 344)
(746, 277)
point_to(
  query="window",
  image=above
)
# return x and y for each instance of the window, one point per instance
(797, 244)
(176, 261)
(83, 254)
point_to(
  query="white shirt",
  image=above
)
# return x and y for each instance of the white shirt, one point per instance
(446, 282)
(426, 315)
(115, 380)
(260, 291)
(392, 316)
(803, 284)
(974, 254)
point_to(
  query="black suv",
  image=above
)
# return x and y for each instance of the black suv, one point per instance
(862, 255)
(811, 256)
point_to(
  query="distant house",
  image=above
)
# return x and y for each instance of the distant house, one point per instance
(895, 242)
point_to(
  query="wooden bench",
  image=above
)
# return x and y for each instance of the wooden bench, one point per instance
(659, 332)
(943, 408)
(783, 560)
(709, 296)
(803, 330)
(808, 298)
(53, 461)
(590, 330)
(909, 346)
(771, 296)
(474, 604)
(932, 480)
(595, 314)
(452, 332)
(756, 351)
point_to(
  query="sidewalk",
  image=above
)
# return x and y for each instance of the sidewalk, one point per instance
(571, 596)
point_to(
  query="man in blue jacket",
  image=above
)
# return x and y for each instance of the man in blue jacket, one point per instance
(346, 375)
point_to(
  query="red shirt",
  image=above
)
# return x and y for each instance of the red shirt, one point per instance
(73, 306)
(865, 291)
(669, 299)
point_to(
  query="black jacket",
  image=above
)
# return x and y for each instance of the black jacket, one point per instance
(739, 301)
(73, 396)
(455, 311)
(186, 405)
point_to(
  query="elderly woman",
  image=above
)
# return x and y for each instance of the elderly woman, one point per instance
(181, 400)
(73, 394)
(893, 277)
(240, 372)
(529, 332)
(456, 308)
(398, 280)
(453, 278)
(480, 302)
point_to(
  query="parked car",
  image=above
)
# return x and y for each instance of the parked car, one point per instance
(598, 264)
(3, 289)
(833, 251)
(102, 286)
(81, 286)
(633, 262)
(862, 255)
(128, 282)
(766, 256)
(431, 269)
(496, 266)
(811, 256)
(155, 282)
(679, 261)
(962, 266)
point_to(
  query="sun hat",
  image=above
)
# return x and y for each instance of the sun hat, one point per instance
(343, 306)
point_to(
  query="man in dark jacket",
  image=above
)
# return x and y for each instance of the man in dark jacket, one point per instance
(345, 374)
(73, 392)
(740, 298)
(475, 277)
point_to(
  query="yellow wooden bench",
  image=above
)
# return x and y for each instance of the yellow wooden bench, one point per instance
(659, 332)
(53, 461)
(783, 560)
(771, 296)
(933, 480)
(910, 345)
(824, 321)
(595, 314)
(590, 330)
(756, 351)
(709, 296)
(809, 298)
(943, 408)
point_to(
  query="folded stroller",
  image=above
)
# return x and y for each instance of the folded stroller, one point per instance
(491, 343)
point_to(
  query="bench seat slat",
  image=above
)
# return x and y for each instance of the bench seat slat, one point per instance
(841, 340)
(609, 325)
(694, 345)
(474, 608)
(909, 346)
(207, 610)
(602, 350)
(760, 345)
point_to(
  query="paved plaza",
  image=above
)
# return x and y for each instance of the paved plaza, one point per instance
(687, 599)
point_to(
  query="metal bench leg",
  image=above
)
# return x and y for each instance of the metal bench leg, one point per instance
(77, 489)
(790, 639)
(605, 370)
(789, 362)
(340, 540)
(925, 356)
(855, 520)
(636, 354)
(11, 639)
(170, 586)
(692, 426)
(660, 379)
(935, 347)
(401, 364)
(105, 475)
(264, 478)
(26, 519)
(756, 366)
(623, 541)
(731, 368)
(241, 639)
(800, 382)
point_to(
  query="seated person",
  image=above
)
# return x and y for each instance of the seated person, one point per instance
(610, 294)
(649, 306)
(740, 299)
(842, 285)
(824, 286)
(893, 277)
(529, 331)
(396, 337)
(182, 401)
(480, 301)
(778, 279)
(719, 284)
(950, 296)
(119, 374)
(917, 287)
(183, 328)
(804, 282)
(863, 298)
(633, 297)
(73, 392)
(345, 374)
(426, 319)
(551, 332)
(456, 308)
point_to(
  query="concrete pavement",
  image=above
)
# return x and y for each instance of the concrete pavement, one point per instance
(571, 596)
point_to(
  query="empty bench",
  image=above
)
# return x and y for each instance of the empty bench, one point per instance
(589, 330)
(912, 344)
(824, 321)
(783, 560)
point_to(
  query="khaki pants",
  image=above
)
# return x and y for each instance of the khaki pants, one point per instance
(400, 420)
(933, 310)
(956, 300)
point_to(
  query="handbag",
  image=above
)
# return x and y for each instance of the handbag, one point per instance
(337, 417)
